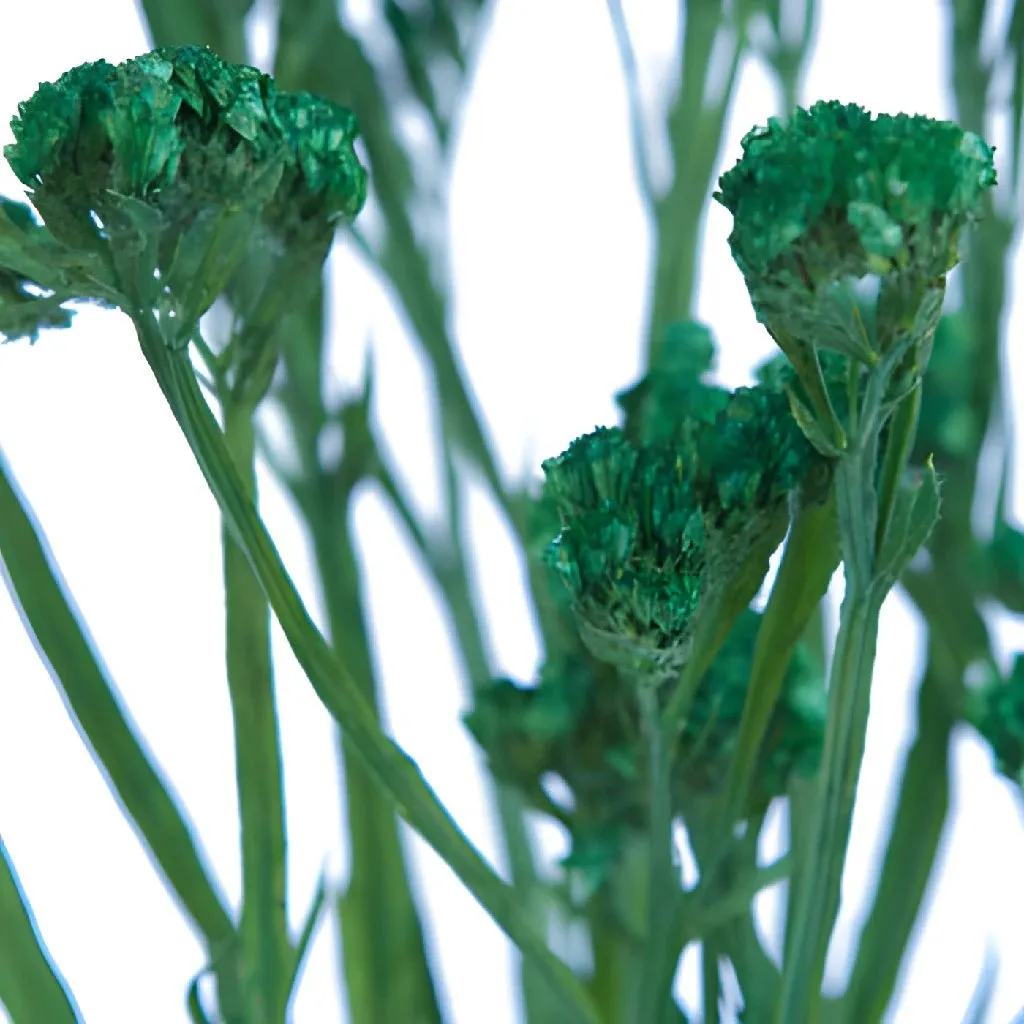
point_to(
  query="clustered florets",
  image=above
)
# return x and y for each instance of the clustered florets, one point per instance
(581, 724)
(194, 139)
(834, 192)
(650, 527)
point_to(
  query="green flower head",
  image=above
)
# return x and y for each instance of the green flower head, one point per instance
(650, 530)
(174, 166)
(323, 183)
(834, 192)
(176, 128)
(631, 548)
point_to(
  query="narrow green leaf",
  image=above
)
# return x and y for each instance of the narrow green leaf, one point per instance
(193, 1002)
(909, 860)
(307, 931)
(915, 512)
(809, 561)
(31, 988)
(34, 582)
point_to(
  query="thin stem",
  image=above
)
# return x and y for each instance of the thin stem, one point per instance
(711, 982)
(909, 861)
(631, 74)
(663, 886)
(394, 770)
(264, 924)
(380, 924)
(819, 862)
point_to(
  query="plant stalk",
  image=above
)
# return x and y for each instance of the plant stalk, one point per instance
(264, 924)
(820, 859)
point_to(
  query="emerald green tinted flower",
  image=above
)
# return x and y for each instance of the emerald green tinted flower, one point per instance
(651, 529)
(177, 128)
(175, 164)
(324, 183)
(833, 194)
(996, 710)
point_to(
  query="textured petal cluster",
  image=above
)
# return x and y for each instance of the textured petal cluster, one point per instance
(835, 192)
(184, 132)
(651, 526)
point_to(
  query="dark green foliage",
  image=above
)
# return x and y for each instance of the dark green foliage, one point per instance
(582, 724)
(996, 710)
(25, 308)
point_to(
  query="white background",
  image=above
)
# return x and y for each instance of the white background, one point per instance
(550, 266)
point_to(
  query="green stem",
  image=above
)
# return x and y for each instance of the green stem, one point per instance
(381, 934)
(909, 860)
(264, 925)
(808, 563)
(660, 954)
(819, 861)
(394, 770)
(695, 133)
(711, 982)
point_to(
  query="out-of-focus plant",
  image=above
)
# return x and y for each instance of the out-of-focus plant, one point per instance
(185, 178)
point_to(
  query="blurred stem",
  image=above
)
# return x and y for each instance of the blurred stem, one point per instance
(447, 565)
(220, 25)
(317, 52)
(711, 982)
(660, 952)
(909, 860)
(381, 932)
(31, 988)
(386, 966)
(264, 924)
(696, 124)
